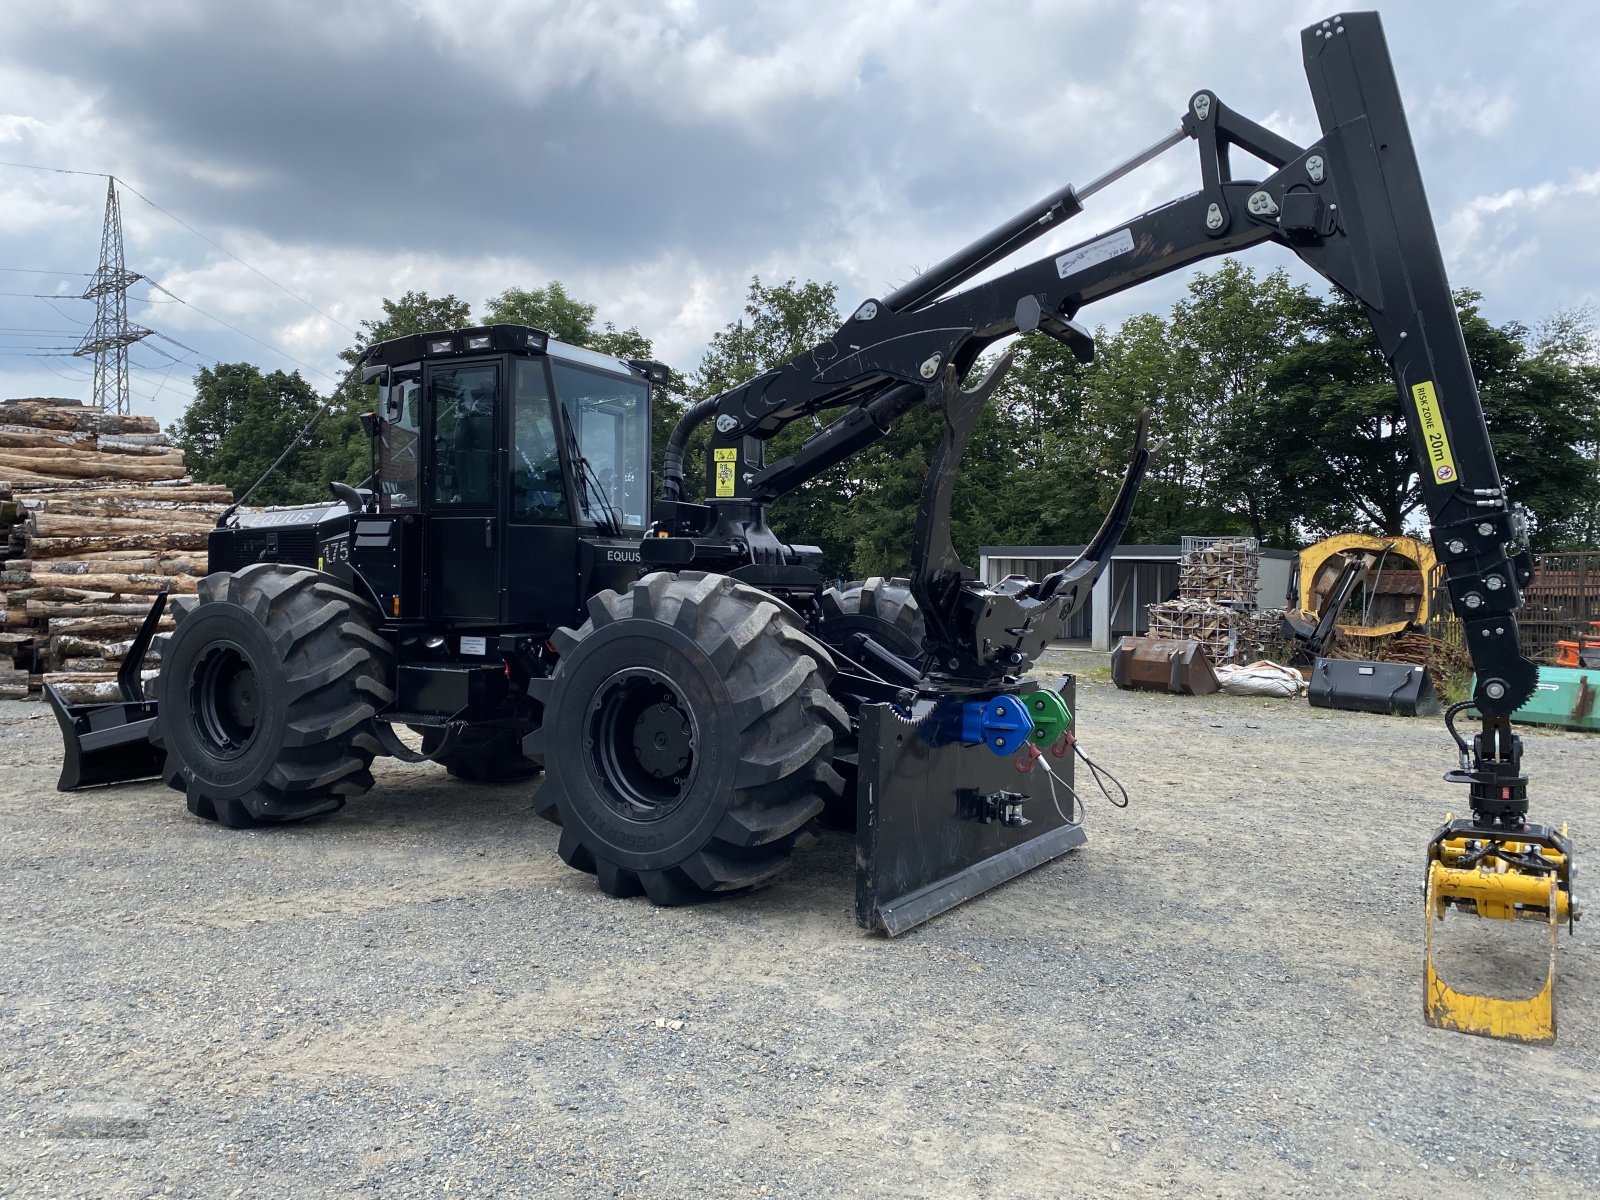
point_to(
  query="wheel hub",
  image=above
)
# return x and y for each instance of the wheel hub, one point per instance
(224, 700)
(641, 744)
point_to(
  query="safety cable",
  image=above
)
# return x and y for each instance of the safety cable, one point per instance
(1097, 771)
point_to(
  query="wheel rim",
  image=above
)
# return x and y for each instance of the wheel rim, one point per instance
(641, 744)
(224, 699)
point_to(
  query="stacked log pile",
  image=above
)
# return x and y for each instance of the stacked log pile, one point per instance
(99, 516)
(1217, 584)
(1221, 570)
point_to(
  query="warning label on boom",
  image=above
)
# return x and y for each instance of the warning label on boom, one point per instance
(724, 458)
(1441, 461)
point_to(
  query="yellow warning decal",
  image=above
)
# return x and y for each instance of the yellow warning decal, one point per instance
(1440, 460)
(725, 458)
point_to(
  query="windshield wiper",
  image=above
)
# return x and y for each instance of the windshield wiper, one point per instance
(589, 485)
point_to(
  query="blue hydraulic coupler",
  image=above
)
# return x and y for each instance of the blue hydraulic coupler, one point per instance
(1001, 723)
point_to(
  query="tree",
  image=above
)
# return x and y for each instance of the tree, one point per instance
(564, 318)
(1541, 402)
(1352, 461)
(240, 421)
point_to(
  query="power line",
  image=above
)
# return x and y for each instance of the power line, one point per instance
(239, 260)
(243, 334)
(111, 183)
(30, 271)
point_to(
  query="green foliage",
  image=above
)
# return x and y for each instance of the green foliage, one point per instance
(565, 319)
(239, 422)
(1275, 411)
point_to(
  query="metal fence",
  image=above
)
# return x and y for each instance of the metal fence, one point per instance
(1560, 602)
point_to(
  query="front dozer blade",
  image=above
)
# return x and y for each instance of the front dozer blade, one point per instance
(109, 742)
(104, 743)
(938, 824)
(1521, 876)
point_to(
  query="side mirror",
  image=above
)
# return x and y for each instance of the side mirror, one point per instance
(369, 421)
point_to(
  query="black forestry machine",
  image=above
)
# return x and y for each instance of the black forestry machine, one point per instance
(695, 694)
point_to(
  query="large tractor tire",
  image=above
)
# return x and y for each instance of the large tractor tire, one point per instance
(883, 609)
(267, 691)
(688, 737)
(886, 611)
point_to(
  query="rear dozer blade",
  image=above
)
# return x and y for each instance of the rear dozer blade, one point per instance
(110, 742)
(1522, 876)
(940, 821)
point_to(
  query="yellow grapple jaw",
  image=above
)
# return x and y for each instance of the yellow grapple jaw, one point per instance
(1526, 875)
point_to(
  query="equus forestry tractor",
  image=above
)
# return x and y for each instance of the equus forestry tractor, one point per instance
(515, 589)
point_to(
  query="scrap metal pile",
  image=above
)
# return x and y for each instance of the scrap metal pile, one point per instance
(99, 515)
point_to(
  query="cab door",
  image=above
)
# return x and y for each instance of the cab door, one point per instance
(462, 486)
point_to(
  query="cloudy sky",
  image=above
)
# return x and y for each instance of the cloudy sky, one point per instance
(655, 156)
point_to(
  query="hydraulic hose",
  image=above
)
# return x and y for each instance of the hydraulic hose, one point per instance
(678, 443)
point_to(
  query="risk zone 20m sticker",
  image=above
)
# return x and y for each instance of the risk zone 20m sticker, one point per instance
(1441, 460)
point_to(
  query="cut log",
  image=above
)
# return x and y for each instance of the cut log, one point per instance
(45, 458)
(131, 609)
(85, 663)
(69, 486)
(84, 546)
(125, 562)
(21, 464)
(101, 628)
(143, 493)
(118, 584)
(65, 646)
(139, 510)
(13, 685)
(66, 416)
(91, 687)
(22, 435)
(58, 525)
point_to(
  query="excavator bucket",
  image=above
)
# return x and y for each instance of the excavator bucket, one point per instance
(1163, 665)
(1394, 688)
(1522, 876)
(943, 817)
(109, 742)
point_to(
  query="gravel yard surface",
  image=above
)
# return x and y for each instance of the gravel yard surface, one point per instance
(1219, 995)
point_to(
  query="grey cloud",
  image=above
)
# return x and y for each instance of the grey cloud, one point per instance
(835, 140)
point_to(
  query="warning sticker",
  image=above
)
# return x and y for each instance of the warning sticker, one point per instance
(1094, 253)
(1441, 461)
(725, 459)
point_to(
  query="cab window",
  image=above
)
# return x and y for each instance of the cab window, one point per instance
(399, 440)
(538, 491)
(609, 416)
(465, 401)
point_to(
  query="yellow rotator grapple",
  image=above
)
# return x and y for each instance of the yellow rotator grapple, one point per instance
(1495, 864)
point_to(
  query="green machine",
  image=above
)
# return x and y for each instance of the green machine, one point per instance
(1563, 697)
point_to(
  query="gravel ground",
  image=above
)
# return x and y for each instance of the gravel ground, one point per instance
(1218, 995)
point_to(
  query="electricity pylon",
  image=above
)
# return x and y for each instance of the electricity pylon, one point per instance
(110, 336)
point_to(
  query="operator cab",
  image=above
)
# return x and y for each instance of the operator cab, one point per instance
(513, 476)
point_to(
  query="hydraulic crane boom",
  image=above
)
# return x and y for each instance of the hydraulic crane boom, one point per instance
(1352, 206)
